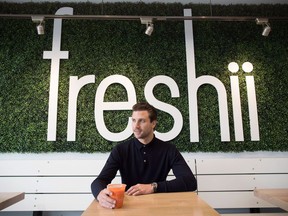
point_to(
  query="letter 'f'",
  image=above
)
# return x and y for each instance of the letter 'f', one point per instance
(55, 55)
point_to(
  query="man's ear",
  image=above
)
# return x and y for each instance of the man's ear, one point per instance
(154, 124)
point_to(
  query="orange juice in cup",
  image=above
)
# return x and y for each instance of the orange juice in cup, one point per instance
(118, 191)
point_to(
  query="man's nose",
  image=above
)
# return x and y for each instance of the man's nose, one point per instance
(137, 124)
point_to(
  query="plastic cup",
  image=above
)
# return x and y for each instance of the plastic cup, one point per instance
(118, 191)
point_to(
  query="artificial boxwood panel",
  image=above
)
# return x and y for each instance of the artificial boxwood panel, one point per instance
(103, 48)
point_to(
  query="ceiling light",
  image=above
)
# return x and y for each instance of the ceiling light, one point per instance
(40, 29)
(149, 25)
(149, 29)
(40, 21)
(266, 30)
(266, 27)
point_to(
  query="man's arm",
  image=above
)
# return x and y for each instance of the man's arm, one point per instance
(97, 186)
(184, 181)
(140, 189)
(107, 174)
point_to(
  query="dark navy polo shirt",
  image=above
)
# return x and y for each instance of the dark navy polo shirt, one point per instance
(144, 164)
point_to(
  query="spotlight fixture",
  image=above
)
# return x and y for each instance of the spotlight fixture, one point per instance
(149, 25)
(40, 29)
(266, 30)
(266, 27)
(40, 21)
(149, 29)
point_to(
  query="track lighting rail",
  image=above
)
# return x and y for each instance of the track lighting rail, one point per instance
(154, 18)
(147, 20)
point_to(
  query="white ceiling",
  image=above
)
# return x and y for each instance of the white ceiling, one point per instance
(223, 2)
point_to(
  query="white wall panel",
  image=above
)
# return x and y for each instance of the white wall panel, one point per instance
(242, 165)
(53, 202)
(233, 199)
(241, 182)
(48, 184)
(64, 185)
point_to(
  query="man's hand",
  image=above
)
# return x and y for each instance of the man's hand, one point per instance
(105, 200)
(140, 189)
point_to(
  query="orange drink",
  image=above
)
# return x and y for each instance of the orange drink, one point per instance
(118, 191)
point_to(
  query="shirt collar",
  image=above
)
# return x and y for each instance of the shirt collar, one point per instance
(140, 145)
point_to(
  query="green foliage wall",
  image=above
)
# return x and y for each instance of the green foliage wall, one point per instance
(104, 48)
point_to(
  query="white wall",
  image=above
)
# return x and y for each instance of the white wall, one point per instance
(103, 156)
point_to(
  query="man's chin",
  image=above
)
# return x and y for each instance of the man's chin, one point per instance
(137, 135)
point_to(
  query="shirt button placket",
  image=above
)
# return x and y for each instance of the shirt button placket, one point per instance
(144, 153)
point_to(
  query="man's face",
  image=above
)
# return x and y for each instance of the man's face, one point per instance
(143, 129)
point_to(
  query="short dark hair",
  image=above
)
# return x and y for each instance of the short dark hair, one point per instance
(144, 106)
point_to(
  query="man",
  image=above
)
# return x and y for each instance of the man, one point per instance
(144, 162)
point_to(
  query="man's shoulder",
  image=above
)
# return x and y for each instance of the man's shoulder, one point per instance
(165, 144)
(125, 144)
